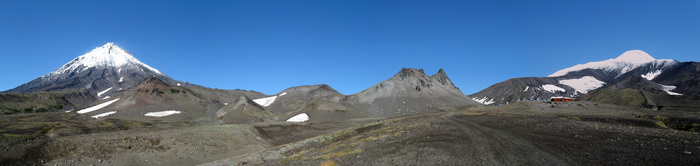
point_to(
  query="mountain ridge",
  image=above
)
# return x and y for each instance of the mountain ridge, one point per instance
(664, 77)
(624, 63)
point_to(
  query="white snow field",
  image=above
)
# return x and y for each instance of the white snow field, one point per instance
(651, 75)
(584, 84)
(552, 88)
(162, 113)
(668, 89)
(268, 100)
(483, 100)
(103, 92)
(265, 101)
(299, 118)
(104, 114)
(97, 107)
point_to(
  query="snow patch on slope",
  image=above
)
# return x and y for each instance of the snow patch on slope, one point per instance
(265, 101)
(651, 75)
(552, 88)
(104, 114)
(121, 79)
(103, 92)
(484, 100)
(268, 100)
(162, 113)
(668, 89)
(303, 117)
(97, 107)
(584, 84)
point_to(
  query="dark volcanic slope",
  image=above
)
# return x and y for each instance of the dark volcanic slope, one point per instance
(635, 91)
(154, 95)
(517, 88)
(295, 98)
(12, 103)
(408, 92)
(320, 102)
(686, 78)
(243, 110)
(325, 110)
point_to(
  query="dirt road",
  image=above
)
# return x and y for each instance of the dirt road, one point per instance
(489, 146)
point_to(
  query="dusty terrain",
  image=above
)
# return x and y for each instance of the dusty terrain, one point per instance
(523, 133)
(508, 135)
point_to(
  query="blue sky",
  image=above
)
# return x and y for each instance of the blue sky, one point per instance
(269, 45)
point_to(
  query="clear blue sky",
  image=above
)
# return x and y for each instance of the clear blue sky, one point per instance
(269, 46)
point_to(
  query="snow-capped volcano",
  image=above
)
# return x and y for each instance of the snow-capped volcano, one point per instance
(109, 55)
(102, 71)
(616, 67)
(581, 79)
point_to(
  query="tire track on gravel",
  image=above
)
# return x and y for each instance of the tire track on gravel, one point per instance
(488, 146)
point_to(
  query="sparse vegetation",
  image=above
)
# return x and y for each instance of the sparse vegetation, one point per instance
(328, 163)
(613, 95)
(574, 118)
(685, 124)
(174, 91)
(343, 153)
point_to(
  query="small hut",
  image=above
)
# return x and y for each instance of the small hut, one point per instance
(560, 99)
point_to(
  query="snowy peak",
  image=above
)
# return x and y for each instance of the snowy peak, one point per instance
(109, 55)
(635, 56)
(622, 64)
(104, 67)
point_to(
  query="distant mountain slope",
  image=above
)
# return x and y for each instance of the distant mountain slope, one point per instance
(102, 71)
(13, 103)
(581, 79)
(113, 83)
(155, 100)
(674, 89)
(409, 92)
(685, 76)
(624, 63)
(637, 91)
(244, 110)
(295, 98)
